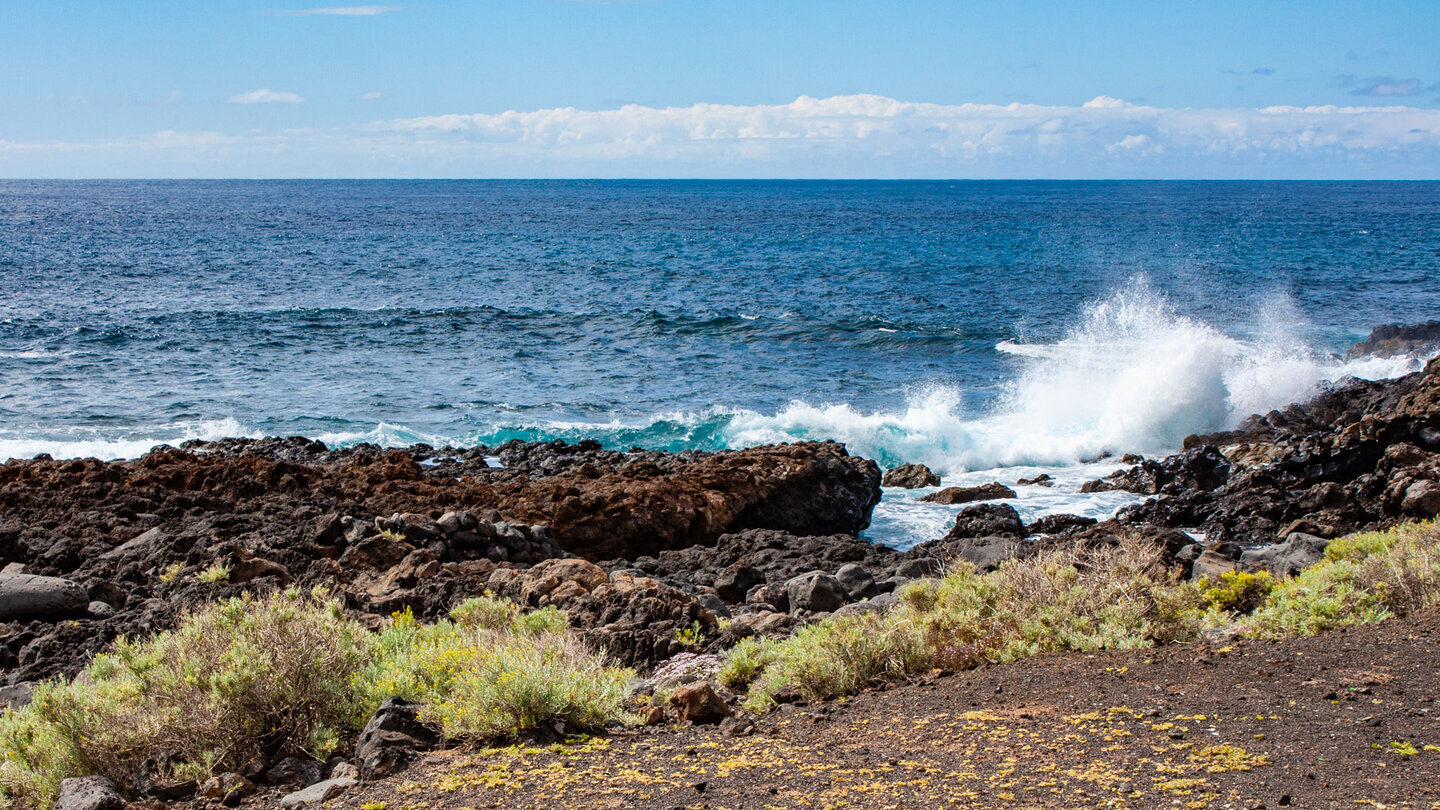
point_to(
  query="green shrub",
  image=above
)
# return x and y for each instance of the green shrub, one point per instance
(840, 655)
(743, 662)
(237, 680)
(1364, 578)
(1237, 591)
(494, 671)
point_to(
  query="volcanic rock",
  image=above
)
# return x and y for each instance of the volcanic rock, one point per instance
(698, 703)
(28, 596)
(392, 738)
(911, 476)
(957, 495)
(817, 592)
(89, 793)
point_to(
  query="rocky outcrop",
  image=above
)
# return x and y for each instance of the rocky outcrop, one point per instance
(1352, 459)
(958, 495)
(911, 476)
(121, 547)
(392, 739)
(1394, 339)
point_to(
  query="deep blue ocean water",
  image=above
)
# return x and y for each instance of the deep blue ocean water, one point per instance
(970, 325)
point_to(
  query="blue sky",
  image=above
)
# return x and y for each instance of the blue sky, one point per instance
(695, 88)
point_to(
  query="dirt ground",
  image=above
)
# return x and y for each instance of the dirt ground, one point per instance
(1346, 719)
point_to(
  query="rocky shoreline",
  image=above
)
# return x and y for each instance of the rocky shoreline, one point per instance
(652, 555)
(639, 544)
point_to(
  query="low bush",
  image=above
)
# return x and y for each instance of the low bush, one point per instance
(1364, 578)
(838, 656)
(493, 670)
(289, 674)
(1117, 596)
(239, 680)
(1237, 591)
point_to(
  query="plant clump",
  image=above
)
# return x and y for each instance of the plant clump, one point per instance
(261, 678)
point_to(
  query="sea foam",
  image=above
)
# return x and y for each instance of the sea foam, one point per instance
(1133, 376)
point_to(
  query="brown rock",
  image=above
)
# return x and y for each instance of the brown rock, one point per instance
(957, 495)
(698, 703)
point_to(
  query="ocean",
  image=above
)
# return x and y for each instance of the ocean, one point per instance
(991, 330)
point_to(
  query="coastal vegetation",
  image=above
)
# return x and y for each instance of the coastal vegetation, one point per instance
(289, 674)
(254, 679)
(1114, 597)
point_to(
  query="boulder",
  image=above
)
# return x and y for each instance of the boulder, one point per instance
(698, 703)
(735, 582)
(910, 476)
(817, 592)
(857, 581)
(1422, 499)
(987, 519)
(392, 739)
(318, 793)
(958, 495)
(89, 793)
(295, 771)
(227, 788)
(1298, 552)
(919, 568)
(1058, 524)
(987, 553)
(1216, 560)
(28, 596)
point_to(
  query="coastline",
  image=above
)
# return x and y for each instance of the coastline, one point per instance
(653, 556)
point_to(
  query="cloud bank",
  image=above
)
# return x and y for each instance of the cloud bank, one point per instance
(842, 136)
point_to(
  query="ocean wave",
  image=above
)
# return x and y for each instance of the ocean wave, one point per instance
(1133, 375)
(109, 443)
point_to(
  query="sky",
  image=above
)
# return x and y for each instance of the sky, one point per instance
(1310, 89)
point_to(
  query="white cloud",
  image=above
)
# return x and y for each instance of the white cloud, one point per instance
(339, 11)
(841, 136)
(372, 95)
(930, 137)
(264, 96)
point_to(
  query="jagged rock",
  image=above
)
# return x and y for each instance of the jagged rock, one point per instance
(698, 703)
(958, 495)
(637, 619)
(29, 596)
(294, 771)
(392, 739)
(735, 582)
(318, 793)
(1298, 552)
(773, 595)
(856, 580)
(911, 476)
(1057, 524)
(1422, 499)
(247, 570)
(1041, 480)
(1394, 339)
(89, 793)
(816, 592)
